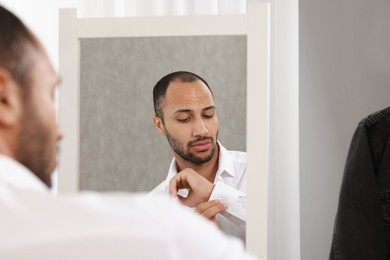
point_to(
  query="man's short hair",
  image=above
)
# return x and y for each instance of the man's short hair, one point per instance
(161, 87)
(15, 41)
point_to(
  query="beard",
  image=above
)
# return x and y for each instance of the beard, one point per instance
(178, 147)
(36, 147)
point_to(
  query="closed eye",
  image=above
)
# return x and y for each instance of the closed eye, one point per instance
(208, 116)
(184, 120)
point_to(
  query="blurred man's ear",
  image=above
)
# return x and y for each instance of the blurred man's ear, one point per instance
(9, 99)
(159, 124)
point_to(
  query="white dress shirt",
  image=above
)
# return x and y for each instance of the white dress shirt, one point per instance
(37, 225)
(230, 188)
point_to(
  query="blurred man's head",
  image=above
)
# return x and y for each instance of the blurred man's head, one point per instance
(28, 128)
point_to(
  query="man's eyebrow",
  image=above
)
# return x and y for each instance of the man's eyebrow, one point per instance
(184, 110)
(187, 110)
(209, 107)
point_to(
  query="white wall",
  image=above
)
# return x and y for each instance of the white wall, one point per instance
(284, 230)
(344, 66)
(41, 16)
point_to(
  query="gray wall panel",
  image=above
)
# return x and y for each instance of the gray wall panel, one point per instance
(120, 149)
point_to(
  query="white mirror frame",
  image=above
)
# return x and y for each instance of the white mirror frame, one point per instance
(255, 25)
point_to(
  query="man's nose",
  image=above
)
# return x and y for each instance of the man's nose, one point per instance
(200, 128)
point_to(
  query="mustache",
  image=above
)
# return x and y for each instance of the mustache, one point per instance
(201, 139)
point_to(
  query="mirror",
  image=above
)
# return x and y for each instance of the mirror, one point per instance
(96, 62)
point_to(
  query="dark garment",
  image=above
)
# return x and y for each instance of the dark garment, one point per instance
(362, 223)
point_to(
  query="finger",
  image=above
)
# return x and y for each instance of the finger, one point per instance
(188, 201)
(173, 190)
(179, 181)
(181, 199)
(174, 186)
(205, 205)
(212, 211)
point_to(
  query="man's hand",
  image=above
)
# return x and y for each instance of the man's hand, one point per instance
(210, 209)
(199, 188)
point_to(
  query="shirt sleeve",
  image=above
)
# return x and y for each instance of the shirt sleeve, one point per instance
(236, 201)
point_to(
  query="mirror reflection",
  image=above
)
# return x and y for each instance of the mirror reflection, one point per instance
(117, 76)
(120, 148)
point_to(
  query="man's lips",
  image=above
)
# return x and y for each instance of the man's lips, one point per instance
(202, 145)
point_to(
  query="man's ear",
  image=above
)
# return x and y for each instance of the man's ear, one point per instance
(9, 99)
(159, 124)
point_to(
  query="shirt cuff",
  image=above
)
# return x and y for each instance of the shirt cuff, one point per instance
(235, 199)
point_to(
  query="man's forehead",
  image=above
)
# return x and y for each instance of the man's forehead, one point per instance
(186, 91)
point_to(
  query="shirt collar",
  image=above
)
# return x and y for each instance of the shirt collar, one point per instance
(225, 162)
(15, 175)
(225, 165)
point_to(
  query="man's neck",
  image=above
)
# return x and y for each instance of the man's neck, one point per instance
(208, 169)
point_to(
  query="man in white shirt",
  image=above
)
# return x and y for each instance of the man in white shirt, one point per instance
(203, 174)
(35, 224)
